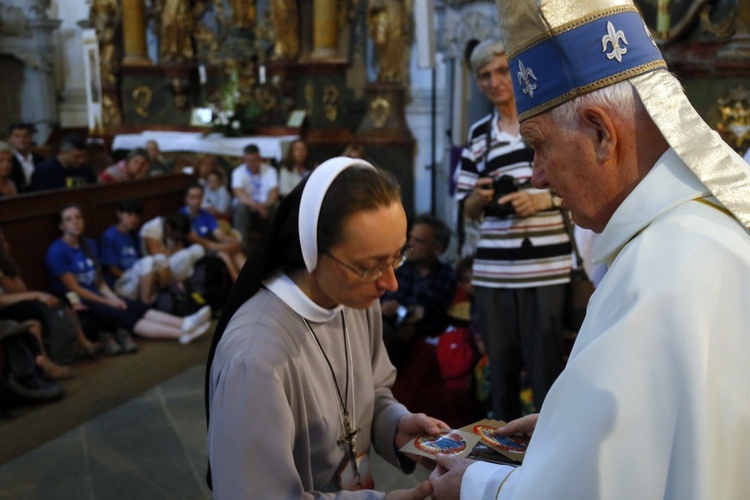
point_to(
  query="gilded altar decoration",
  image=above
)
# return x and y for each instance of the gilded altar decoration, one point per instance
(180, 87)
(105, 17)
(380, 109)
(206, 39)
(110, 113)
(175, 26)
(309, 93)
(142, 97)
(237, 105)
(390, 27)
(330, 102)
(243, 13)
(671, 20)
(734, 124)
(285, 21)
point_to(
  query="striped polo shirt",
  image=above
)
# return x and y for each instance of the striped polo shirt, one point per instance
(513, 251)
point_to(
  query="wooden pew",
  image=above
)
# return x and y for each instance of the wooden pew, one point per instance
(29, 221)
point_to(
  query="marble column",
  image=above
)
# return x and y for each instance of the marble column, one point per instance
(325, 30)
(134, 33)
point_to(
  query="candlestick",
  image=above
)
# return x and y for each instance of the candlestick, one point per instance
(662, 18)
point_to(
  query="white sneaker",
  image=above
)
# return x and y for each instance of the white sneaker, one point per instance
(188, 337)
(191, 322)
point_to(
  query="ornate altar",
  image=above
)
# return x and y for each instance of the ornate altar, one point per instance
(706, 43)
(255, 63)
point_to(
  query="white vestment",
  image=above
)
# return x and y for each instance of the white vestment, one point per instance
(655, 399)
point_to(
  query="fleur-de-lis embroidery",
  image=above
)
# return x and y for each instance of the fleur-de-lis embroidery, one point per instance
(524, 79)
(648, 33)
(614, 37)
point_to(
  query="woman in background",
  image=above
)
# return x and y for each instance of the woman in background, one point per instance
(134, 166)
(295, 166)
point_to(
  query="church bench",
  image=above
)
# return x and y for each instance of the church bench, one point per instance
(29, 220)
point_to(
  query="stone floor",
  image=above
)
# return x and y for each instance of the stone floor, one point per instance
(151, 447)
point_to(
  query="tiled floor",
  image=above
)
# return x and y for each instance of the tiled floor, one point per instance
(151, 447)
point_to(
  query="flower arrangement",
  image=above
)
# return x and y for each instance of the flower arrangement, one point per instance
(234, 110)
(224, 117)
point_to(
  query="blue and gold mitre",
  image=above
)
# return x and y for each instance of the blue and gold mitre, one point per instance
(560, 49)
(567, 48)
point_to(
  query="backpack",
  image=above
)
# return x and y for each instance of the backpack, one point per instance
(210, 282)
(456, 357)
(60, 335)
(21, 380)
(177, 301)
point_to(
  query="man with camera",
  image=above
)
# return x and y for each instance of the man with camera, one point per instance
(523, 255)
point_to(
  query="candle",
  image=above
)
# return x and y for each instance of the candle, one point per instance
(262, 74)
(202, 73)
(662, 18)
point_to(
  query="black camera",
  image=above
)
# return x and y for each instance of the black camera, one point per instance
(502, 185)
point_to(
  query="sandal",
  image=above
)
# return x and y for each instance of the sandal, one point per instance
(88, 349)
(54, 371)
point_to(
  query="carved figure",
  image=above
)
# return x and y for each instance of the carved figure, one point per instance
(285, 20)
(176, 26)
(243, 13)
(206, 39)
(104, 17)
(388, 21)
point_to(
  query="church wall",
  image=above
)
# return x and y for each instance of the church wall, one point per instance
(69, 71)
(419, 117)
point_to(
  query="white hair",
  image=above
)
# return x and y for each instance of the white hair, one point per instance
(620, 99)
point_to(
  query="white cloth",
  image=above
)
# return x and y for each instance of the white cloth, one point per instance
(182, 261)
(655, 400)
(198, 142)
(267, 179)
(128, 284)
(275, 416)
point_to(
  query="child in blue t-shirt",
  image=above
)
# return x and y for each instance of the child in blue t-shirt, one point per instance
(72, 262)
(125, 270)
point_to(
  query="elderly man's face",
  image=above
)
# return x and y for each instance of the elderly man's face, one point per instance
(567, 161)
(495, 82)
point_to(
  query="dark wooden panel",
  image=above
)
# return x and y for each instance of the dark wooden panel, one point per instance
(29, 221)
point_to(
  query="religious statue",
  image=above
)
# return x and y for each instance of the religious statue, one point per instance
(206, 39)
(285, 20)
(243, 13)
(176, 23)
(109, 60)
(104, 17)
(388, 21)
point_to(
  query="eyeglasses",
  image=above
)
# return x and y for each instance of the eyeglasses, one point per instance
(376, 272)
